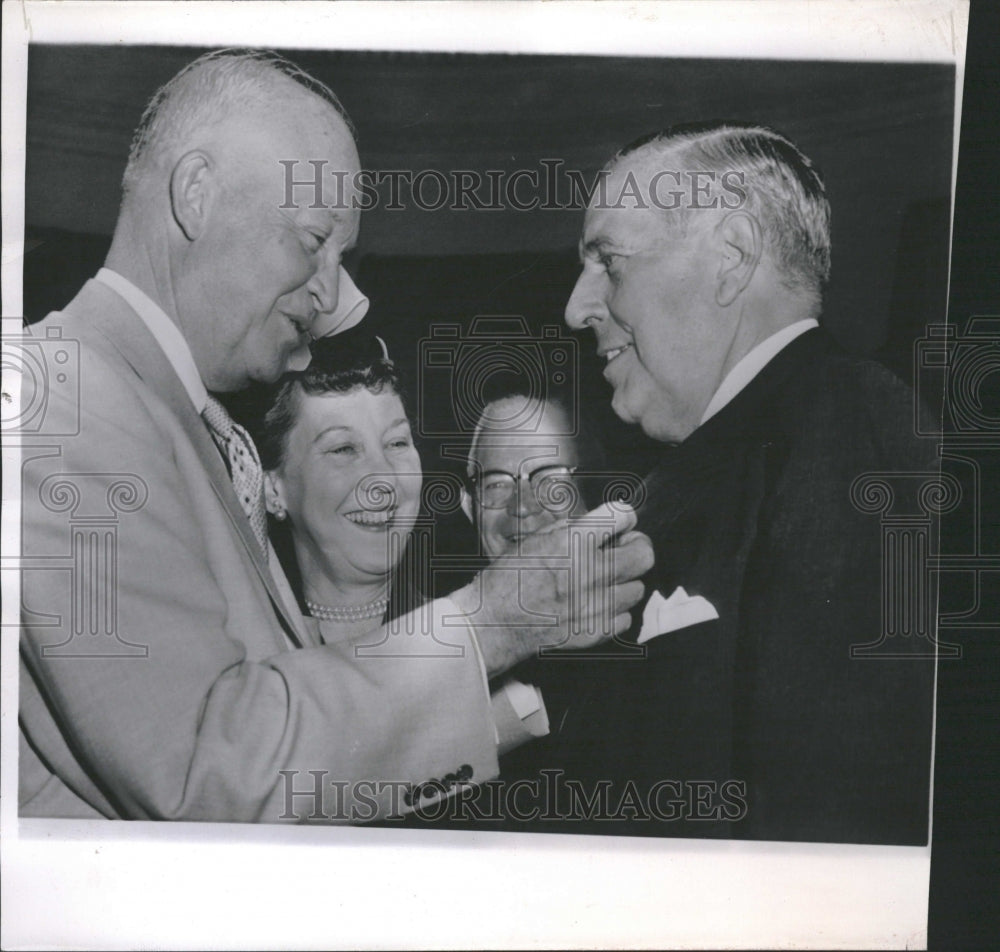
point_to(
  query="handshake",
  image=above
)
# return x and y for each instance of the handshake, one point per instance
(570, 585)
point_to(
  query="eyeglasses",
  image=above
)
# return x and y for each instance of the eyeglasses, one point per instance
(553, 487)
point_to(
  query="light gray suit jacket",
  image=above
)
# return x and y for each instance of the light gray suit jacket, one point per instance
(162, 673)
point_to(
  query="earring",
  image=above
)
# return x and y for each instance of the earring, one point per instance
(280, 513)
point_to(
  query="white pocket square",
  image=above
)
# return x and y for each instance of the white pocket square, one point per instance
(662, 615)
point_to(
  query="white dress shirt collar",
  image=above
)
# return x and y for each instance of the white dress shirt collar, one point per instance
(164, 330)
(753, 363)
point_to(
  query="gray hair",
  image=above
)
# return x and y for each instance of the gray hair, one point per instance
(784, 190)
(588, 446)
(208, 90)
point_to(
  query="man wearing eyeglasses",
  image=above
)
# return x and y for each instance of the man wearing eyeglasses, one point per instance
(179, 680)
(522, 477)
(531, 465)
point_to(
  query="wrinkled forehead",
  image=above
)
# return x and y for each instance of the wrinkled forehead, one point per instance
(358, 411)
(545, 438)
(516, 453)
(302, 154)
(631, 203)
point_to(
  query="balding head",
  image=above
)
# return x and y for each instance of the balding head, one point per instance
(522, 467)
(213, 91)
(207, 228)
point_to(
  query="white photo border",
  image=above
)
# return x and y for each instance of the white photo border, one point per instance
(95, 884)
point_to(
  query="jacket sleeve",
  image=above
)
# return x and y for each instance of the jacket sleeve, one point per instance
(199, 722)
(836, 731)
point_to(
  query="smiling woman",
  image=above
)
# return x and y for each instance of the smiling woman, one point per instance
(342, 482)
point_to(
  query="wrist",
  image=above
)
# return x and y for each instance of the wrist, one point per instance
(497, 642)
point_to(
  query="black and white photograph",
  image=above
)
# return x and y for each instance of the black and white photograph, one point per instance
(541, 464)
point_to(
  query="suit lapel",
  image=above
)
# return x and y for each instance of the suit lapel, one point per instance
(687, 474)
(721, 458)
(124, 330)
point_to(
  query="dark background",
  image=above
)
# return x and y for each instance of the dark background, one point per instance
(881, 134)
(965, 856)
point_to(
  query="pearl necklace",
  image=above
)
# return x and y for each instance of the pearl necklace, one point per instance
(342, 613)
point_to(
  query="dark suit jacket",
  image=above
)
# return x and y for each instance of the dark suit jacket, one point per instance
(754, 512)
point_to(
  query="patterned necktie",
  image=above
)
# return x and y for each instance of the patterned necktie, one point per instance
(244, 466)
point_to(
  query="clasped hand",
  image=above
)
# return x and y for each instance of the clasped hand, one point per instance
(570, 585)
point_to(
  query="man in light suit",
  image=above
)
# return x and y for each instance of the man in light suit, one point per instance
(168, 674)
(742, 708)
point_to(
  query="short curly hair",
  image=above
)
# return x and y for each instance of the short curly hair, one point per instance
(338, 366)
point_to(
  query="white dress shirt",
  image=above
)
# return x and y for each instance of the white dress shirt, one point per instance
(664, 615)
(167, 334)
(753, 363)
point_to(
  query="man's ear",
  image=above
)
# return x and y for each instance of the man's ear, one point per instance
(190, 185)
(274, 494)
(742, 243)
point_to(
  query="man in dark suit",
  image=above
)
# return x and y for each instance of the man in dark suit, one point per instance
(740, 705)
(167, 673)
